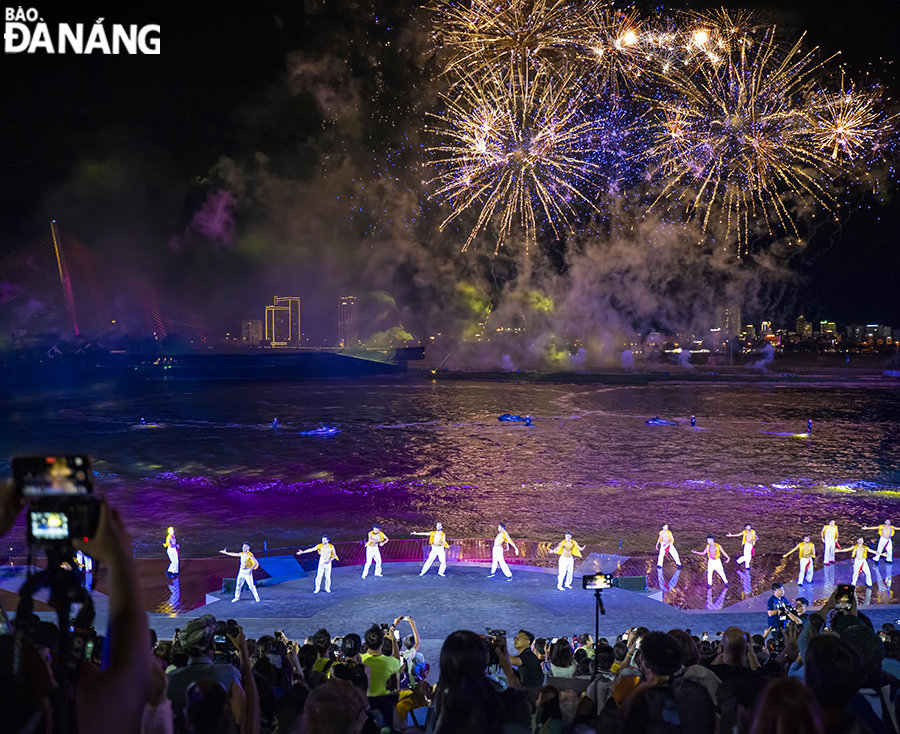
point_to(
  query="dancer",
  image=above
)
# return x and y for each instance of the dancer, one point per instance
(713, 553)
(665, 543)
(567, 551)
(748, 538)
(693, 422)
(171, 546)
(327, 554)
(885, 541)
(500, 543)
(245, 575)
(809, 426)
(275, 423)
(437, 539)
(829, 537)
(374, 542)
(859, 552)
(807, 553)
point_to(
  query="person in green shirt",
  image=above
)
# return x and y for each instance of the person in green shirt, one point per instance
(381, 667)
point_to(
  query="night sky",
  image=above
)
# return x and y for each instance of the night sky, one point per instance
(125, 150)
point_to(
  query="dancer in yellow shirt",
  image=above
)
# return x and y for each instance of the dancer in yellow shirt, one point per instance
(171, 546)
(245, 575)
(807, 553)
(859, 552)
(713, 552)
(830, 538)
(665, 543)
(568, 550)
(748, 538)
(327, 555)
(437, 539)
(497, 559)
(885, 541)
(374, 541)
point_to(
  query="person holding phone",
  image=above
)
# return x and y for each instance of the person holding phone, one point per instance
(171, 546)
(859, 553)
(245, 575)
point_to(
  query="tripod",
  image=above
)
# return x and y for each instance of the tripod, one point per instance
(599, 609)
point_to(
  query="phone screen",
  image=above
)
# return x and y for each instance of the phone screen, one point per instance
(53, 476)
(396, 634)
(49, 525)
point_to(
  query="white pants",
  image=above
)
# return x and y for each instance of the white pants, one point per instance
(670, 549)
(324, 572)
(373, 553)
(173, 559)
(437, 552)
(714, 565)
(748, 555)
(829, 551)
(806, 568)
(887, 543)
(566, 569)
(245, 576)
(861, 565)
(497, 559)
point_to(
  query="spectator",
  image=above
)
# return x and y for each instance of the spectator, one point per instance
(207, 709)
(350, 666)
(665, 701)
(381, 667)
(539, 648)
(197, 641)
(601, 686)
(787, 705)
(321, 640)
(741, 684)
(834, 676)
(561, 663)
(585, 642)
(335, 707)
(527, 664)
(549, 714)
(620, 650)
(801, 605)
(413, 660)
(690, 659)
(604, 657)
(466, 702)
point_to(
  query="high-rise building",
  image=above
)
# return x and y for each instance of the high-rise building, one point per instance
(765, 327)
(252, 332)
(827, 328)
(804, 328)
(347, 334)
(728, 320)
(749, 332)
(293, 304)
(278, 325)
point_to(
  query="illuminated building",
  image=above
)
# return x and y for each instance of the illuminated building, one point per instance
(749, 332)
(292, 303)
(804, 328)
(347, 334)
(278, 325)
(728, 320)
(252, 332)
(765, 327)
(827, 328)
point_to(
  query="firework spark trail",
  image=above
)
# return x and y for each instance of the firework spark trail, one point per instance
(514, 149)
(849, 123)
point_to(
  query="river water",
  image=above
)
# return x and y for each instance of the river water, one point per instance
(412, 451)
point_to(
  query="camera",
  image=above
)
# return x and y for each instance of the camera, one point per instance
(61, 506)
(495, 633)
(226, 652)
(598, 581)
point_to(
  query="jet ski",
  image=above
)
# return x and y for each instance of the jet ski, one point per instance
(509, 418)
(659, 422)
(322, 431)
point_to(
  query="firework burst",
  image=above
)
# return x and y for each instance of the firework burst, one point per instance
(516, 152)
(850, 125)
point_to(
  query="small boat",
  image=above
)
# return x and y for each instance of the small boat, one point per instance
(659, 422)
(509, 418)
(322, 431)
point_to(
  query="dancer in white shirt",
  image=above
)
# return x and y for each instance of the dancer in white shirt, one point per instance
(497, 559)
(437, 539)
(885, 541)
(665, 543)
(830, 538)
(245, 575)
(374, 541)
(748, 539)
(171, 546)
(327, 555)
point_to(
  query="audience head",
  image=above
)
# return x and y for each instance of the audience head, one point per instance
(335, 707)
(620, 651)
(660, 654)
(321, 640)
(463, 655)
(787, 705)
(866, 644)
(833, 670)
(561, 654)
(351, 645)
(207, 709)
(374, 637)
(604, 656)
(690, 653)
(523, 640)
(734, 646)
(197, 637)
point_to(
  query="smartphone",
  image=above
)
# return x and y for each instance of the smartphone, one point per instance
(49, 525)
(597, 581)
(844, 597)
(53, 476)
(396, 634)
(705, 637)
